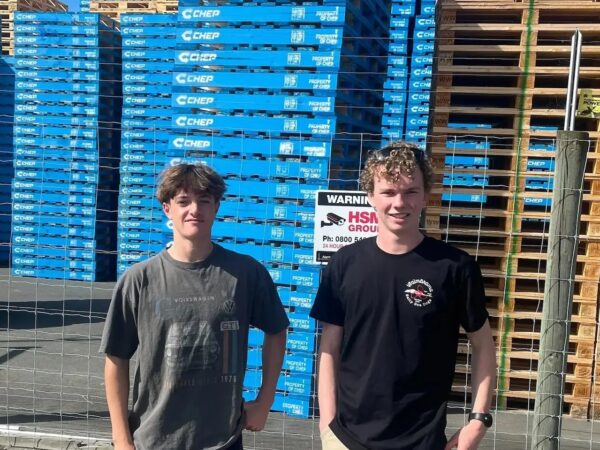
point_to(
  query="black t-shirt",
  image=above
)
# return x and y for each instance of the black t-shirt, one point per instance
(401, 317)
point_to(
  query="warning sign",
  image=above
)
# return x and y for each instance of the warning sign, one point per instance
(341, 218)
(588, 106)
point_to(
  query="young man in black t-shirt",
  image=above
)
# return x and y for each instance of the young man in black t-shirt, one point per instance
(391, 307)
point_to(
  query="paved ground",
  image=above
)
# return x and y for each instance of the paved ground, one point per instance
(51, 391)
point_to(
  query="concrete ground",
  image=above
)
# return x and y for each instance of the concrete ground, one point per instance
(52, 394)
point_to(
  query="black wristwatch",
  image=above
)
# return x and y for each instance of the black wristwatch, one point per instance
(486, 418)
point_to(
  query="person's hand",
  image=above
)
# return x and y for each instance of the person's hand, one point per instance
(468, 437)
(256, 413)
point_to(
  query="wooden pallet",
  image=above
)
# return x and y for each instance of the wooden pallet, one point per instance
(506, 63)
(114, 8)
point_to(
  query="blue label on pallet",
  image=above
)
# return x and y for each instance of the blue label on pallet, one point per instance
(294, 103)
(150, 134)
(421, 47)
(317, 126)
(146, 113)
(50, 76)
(423, 71)
(397, 72)
(326, 15)
(270, 36)
(292, 406)
(42, 110)
(63, 132)
(167, 43)
(57, 52)
(74, 64)
(398, 23)
(251, 80)
(300, 321)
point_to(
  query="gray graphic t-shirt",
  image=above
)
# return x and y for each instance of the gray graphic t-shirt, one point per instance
(189, 323)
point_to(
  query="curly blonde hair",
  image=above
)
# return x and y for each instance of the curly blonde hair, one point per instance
(393, 160)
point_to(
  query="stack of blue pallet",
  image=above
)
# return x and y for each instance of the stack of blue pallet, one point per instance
(459, 178)
(421, 72)
(408, 86)
(253, 97)
(148, 62)
(7, 112)
(545, 183)
(359, 98)
(64, 189)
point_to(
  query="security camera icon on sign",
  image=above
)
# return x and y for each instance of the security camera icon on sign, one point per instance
(332, 219)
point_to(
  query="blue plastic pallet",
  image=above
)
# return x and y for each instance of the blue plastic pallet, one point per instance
(50, 76)
(148, 66)
(57, 52)
(73, 64)
(254, 80)
(538, 183)
(324, 37)
(247, 145)
(46, 219)
(49, 174)
(149, 43)
(55, 17)
(53, 252)
(268, 253)
(66, 131)
(465, 144)
(544, 164)
(257, 102)
(52, 263)
(466, 161)
(266, 211)
(155, 101)
(40, 208)
(259, 58)
(30, 146)
(467, 198)
(147, 78)
(324, 15)
(58, 41)
(90, 167)
(49, 186)
(289, 190)
(464, 180)
(69, 242)
(148, 18)
(66, 274)
(151, 134)
(91, 87)
(125, 246)
(268, 231)
(56, 231)
(537, 201)
(322, 126)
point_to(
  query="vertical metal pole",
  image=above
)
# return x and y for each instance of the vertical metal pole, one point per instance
(575, 80)
(571, 155)
(570, 84)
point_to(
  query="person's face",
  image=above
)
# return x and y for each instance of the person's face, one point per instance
(192, 215)
(399, 204)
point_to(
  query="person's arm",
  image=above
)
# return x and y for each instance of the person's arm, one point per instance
(483, 380)
(329, 358)
(116, 379)
(273, 350)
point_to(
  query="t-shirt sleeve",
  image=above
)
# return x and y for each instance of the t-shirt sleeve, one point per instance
(473, 313)
(328, 307)
(120, 337)
(267, 311)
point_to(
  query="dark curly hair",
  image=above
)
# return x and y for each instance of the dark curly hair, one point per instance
(393, 160)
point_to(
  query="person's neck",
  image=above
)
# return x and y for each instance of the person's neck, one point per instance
(188, 251)
(399, 244)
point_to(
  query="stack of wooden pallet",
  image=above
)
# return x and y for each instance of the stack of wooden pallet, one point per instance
(7, 7)
(114, 8)
(500, 95)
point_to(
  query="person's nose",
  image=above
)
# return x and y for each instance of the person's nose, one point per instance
(398, 201)
(194, 208)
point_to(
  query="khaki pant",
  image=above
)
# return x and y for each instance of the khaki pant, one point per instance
(329, 441)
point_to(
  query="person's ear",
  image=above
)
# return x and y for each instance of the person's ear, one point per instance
(166, 207)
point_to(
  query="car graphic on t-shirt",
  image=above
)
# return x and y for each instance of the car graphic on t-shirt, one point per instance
(191, 345)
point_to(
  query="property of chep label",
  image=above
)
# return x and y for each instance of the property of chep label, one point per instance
(341, 218)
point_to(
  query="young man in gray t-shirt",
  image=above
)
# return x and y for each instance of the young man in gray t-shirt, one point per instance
(187, 311)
